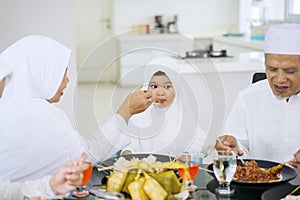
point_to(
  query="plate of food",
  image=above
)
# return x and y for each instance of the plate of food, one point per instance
(140, 175)
(282, 192)
(261, 173)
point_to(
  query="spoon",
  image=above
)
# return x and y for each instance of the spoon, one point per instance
(241, 159)
(156, 102)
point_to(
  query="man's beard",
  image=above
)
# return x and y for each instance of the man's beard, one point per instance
(279, 97)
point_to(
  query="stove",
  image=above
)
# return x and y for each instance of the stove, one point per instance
(205, 54)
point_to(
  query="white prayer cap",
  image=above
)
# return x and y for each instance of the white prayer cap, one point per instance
(283, 39)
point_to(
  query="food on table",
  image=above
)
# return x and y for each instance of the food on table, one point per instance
(135, 189)
(131, 176)
(169, 181)
(153, 189)
(116, 181)
(251, 172)
(145, 179)
(275, 170)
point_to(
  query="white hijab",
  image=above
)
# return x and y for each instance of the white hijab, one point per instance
(36, 137)
(169, 130)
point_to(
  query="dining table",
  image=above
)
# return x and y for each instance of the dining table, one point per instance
(205, 187)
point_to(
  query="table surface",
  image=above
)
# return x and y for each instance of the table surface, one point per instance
(205, 183)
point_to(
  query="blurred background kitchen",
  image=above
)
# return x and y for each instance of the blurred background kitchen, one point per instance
(111, 40)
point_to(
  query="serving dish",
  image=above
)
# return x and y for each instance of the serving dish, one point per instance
(286, 174)
(102, 175)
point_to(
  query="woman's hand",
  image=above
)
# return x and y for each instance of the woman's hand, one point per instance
(68, 177)
(135, 102)
(228, 142)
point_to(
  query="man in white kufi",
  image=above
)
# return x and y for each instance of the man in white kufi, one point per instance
(264, 120)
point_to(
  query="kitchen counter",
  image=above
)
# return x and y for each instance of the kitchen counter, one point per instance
(245, 42)
(148, 37)
(239, 62)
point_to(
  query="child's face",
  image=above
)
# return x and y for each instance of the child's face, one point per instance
(162, 90)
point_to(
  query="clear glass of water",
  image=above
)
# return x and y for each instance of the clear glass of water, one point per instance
(224, 166)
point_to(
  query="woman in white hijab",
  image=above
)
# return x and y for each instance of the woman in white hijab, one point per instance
(36, 136)
(48, 187)
(170, 125)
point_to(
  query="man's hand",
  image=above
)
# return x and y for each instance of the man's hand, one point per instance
(228, 142)
(135, 102)
(295, 162)
(126, 152)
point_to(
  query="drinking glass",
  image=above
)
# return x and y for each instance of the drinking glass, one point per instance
(82, 190)
(188, 175)
(224, 166)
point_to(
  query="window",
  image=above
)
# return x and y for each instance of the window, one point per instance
(292, 10)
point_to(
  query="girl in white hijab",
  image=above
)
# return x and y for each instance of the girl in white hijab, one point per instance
(36, 136)
(170, 125)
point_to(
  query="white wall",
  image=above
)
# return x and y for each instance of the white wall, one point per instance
(53, 18)
(276, 9)
(193, 15)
